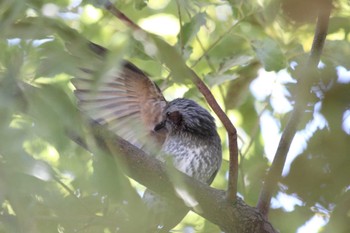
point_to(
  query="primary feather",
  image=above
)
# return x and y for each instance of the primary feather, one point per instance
(124, 99)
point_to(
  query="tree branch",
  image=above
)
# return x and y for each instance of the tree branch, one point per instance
(150, 172)
(117, 13)
(231, 130)
(320, 32)
(232, 137)
(302, 96)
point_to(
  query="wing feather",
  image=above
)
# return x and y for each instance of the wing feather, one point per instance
(124, 99)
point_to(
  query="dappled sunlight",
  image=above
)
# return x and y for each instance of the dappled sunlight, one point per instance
(286, 202)
(91, 14)
(314, 225)
(343, 75)
(56, 168)
(158, 4)
(161, 24)
(42, 150)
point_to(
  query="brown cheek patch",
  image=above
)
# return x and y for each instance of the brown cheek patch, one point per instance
(175, 117)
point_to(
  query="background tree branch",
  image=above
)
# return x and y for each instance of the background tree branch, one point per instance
(305, 76)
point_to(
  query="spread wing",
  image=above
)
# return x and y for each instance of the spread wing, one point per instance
(124, 99)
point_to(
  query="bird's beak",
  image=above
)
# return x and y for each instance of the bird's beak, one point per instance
(159, 126)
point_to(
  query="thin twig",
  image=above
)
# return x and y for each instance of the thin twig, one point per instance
(205, 53)
(69, 190)
(231, 130)
(304, 85)
(219, 39)
(215, 43)
(232, 137)
(320, 33)
(202, 47)
(117, 13)
(180, 24)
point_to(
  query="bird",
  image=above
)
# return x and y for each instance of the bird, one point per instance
(132, 106)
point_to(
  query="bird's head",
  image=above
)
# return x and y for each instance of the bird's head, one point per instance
(186, 116)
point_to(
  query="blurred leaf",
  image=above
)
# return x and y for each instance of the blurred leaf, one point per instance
(31, 28)
(338, 51)
(150, 67)
(254, 166)
(300, 11)
(325, 159)
(218, 79)
(269, 54)
(140, 4)
(180, 72)
(53, 60)
(339, 221)
(236, 44)
(10, 12)
(189, 30)
(338, 23)
(52, 112)
(325, 164)
(297, 218)
(108, 177)
(238, 60)
(337, 100)
(271, 10)
(43, 27)
(238, 89)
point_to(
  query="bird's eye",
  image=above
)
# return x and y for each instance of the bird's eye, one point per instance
(168, 114)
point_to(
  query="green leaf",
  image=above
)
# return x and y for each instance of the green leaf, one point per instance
(52, 112)
(217, 79)
(140, 4)
(54, 60)
(338, 51)
(170, 56)
(339, 23)
(238, 89)
(190, 29)
(270, 54)
(30, 28)
(271, 11)
(238, 60)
